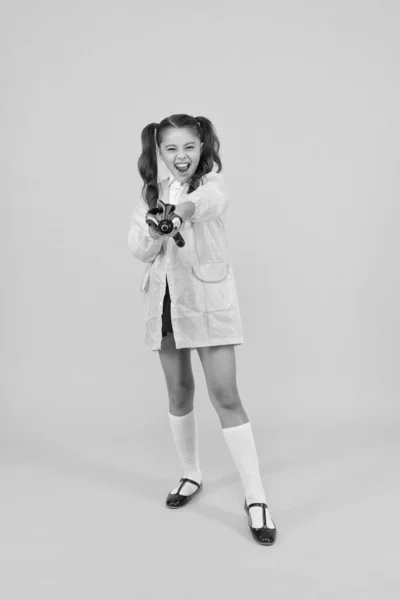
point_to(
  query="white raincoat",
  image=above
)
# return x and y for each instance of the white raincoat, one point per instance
(204, 303)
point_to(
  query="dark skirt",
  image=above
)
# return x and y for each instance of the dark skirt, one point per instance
(166, 316)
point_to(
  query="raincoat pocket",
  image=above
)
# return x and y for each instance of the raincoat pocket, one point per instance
(211, 272)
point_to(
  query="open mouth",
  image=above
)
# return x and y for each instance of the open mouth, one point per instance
(182, 167)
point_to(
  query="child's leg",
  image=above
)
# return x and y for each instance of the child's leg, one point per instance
(240, 441)
(220, 371)
(185, 433)
(178, 374)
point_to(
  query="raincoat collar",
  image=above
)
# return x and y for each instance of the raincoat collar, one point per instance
(171, 178)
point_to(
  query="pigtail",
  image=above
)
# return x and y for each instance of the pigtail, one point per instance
(147, 165)
(210, 151)
(211, 147)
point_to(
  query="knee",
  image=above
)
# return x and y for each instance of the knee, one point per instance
(181, 395)
(226, 399)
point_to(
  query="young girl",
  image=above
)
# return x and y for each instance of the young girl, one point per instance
(190, 301)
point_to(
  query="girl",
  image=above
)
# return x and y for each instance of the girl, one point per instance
(190, 301)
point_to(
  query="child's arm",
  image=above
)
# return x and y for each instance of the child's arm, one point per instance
(210, 200)
(142, 245)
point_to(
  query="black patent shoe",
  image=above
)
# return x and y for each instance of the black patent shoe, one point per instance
(177, 500)
(263, 535)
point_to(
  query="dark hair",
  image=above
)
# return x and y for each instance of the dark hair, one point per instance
(147, 164)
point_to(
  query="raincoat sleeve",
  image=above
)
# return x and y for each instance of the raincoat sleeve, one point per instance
(210, 199)
(140, 242)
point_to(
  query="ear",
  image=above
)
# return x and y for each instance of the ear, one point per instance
(201, 147)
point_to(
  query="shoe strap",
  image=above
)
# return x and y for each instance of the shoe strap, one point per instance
(263, 506)
(184, 479)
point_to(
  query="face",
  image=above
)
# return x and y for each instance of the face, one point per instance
(180, 150)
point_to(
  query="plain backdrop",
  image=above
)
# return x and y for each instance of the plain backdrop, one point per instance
(304, 97)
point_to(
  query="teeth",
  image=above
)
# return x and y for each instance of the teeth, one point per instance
(182, 167)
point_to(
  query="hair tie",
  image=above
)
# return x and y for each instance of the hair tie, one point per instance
(198, 123)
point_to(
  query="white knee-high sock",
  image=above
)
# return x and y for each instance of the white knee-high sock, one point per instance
(185, 434)
(240, 441)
